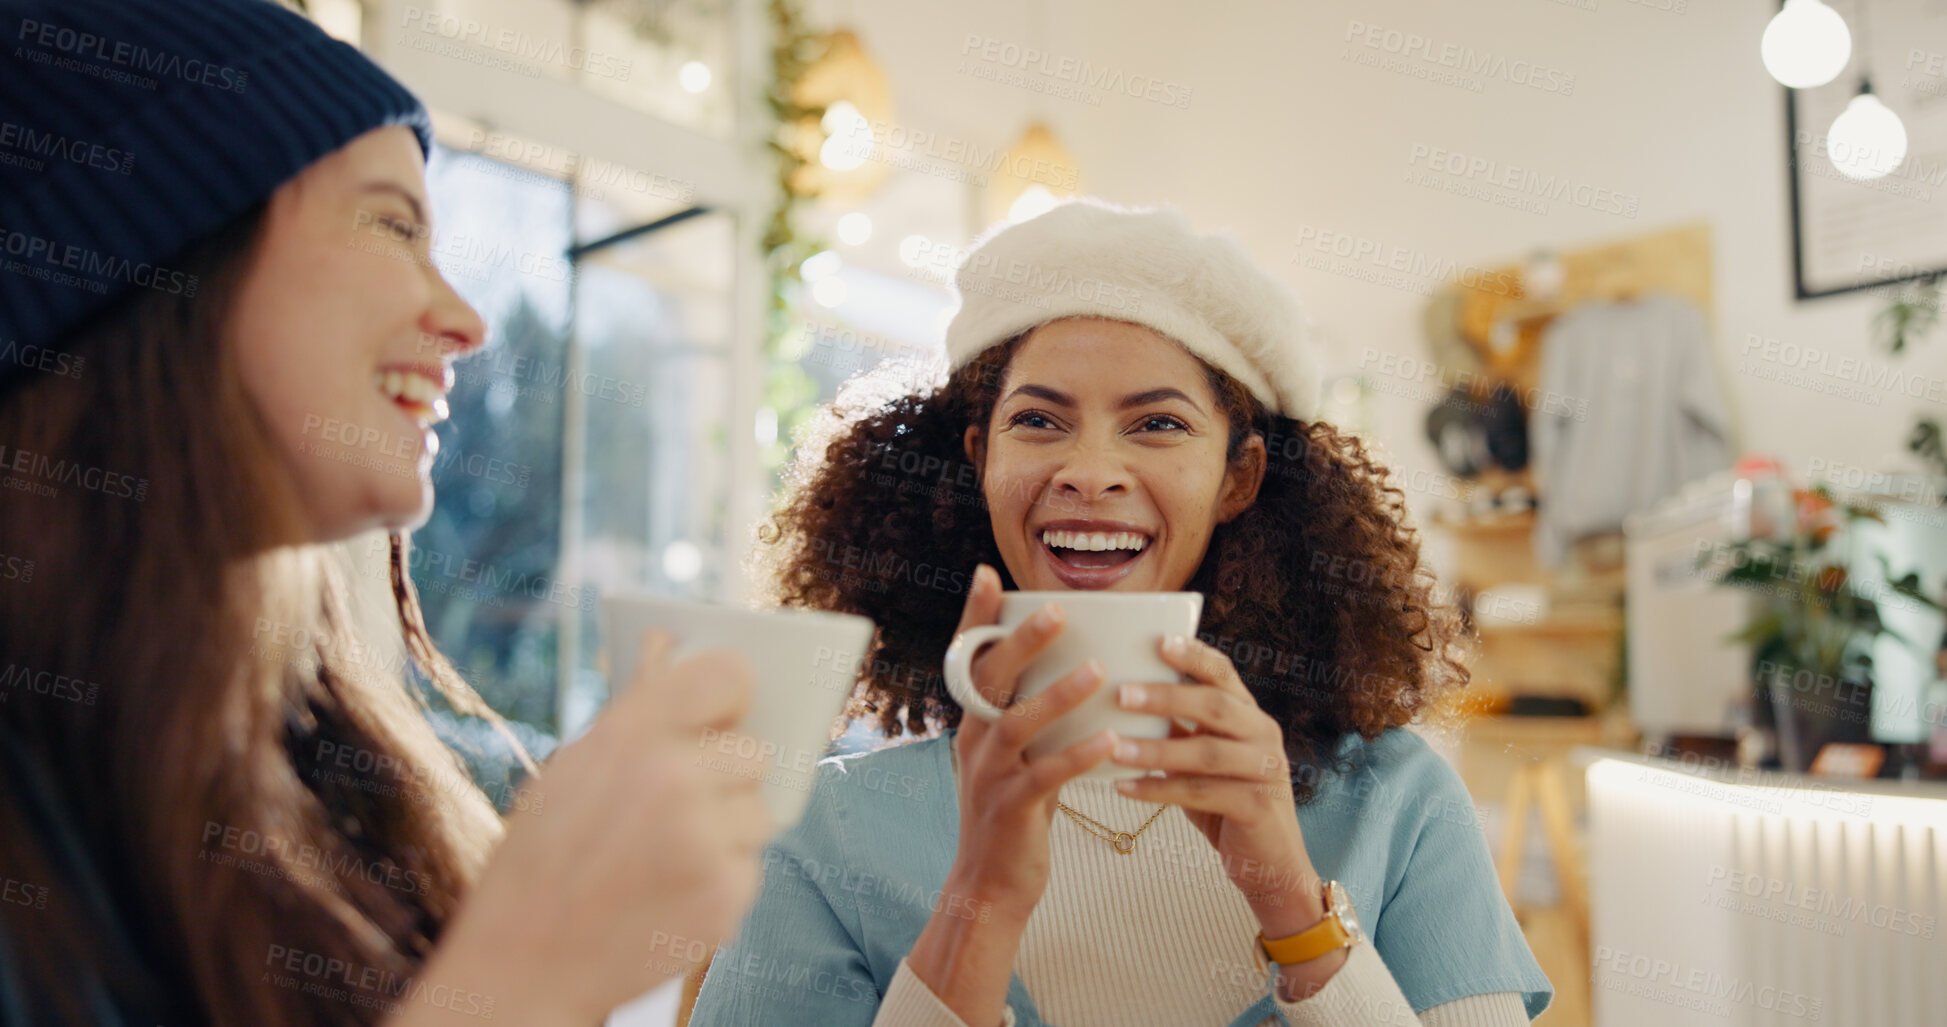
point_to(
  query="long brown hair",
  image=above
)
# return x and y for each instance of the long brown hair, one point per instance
(226, 807)
(1316, 591)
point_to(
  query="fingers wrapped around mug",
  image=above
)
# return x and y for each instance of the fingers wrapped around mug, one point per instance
(1215, 700)
(1200, 755)
(1232, 761)
(1023, 719)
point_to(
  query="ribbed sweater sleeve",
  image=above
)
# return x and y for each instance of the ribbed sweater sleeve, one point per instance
(1362, 994)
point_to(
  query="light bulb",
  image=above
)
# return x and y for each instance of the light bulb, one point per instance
(822, 264)
(682, 560)
(1807, 44)
(848, 139)
(694, 77)
(1033, 202)
(854, 228)
(1866, 140)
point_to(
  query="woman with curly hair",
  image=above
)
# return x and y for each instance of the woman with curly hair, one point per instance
(1128, 407)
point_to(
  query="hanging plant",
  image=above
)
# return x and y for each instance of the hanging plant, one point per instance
(788, 389)
(1912, 313)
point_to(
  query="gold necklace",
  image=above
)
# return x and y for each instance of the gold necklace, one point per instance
(1123, 841)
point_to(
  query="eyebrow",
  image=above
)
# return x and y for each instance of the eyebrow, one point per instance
(1135, 399)
(418, 209)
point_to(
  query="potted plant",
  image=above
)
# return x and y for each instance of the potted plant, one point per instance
(1813, 624)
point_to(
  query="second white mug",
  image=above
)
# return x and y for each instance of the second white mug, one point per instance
(805, 661)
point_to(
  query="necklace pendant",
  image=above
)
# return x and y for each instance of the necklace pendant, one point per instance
(1124, 842)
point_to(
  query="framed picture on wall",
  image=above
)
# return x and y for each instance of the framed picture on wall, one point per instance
(1853, 233)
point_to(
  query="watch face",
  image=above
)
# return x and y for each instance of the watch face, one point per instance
(1341, 903)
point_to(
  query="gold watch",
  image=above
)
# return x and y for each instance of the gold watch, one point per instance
(1338, 930)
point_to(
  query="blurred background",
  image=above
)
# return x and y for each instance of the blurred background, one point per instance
(1638, 298)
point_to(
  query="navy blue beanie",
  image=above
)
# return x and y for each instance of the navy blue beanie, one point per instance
(130, 129)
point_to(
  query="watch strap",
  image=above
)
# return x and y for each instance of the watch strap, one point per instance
(1327, 935)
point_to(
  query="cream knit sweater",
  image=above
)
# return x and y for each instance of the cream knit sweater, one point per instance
(1161, 936)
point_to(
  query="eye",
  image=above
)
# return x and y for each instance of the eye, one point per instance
(1030, 419)
(1162, 422)
(401, 231)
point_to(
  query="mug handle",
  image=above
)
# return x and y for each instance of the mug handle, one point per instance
(958, 670)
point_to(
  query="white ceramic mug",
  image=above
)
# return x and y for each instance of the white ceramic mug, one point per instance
(1122, 630)
(805, 664)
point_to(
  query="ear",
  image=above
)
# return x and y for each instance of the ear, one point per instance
(975, 443)
(1242, 479)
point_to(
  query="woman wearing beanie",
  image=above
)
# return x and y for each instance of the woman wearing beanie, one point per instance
(1112, 371)
(216, 805)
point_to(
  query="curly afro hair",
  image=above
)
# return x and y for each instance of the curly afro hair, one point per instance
(1315, 592)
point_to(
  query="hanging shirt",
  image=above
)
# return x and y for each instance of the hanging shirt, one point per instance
(1629, 411)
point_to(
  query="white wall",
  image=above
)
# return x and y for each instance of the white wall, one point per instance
(1282, 132)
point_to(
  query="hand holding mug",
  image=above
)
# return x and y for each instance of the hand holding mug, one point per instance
(1232, 777)
(641, 855)
(1007, 798)
(1117, 631)
(1008, 776)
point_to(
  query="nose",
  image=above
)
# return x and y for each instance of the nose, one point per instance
(451, 321)
(1092, 470)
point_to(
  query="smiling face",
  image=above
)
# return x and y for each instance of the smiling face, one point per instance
(1104, 460)
(345, 335)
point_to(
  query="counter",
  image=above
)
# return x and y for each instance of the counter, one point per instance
(1720, 895)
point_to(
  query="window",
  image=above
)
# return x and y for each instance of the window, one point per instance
(587, 447)
(652, 508)
(486, 564)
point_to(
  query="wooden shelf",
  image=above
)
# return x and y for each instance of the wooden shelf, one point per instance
(1559, 623)
(1495, 728)
(1504, 524)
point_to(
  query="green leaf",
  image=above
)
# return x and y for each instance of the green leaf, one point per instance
(1907, 585)
(1761, 628)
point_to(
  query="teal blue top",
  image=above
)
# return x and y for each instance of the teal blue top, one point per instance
(847, 891)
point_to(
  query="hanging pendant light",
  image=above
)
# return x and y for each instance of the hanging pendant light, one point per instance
(1807, 44)
(1035, 173)
(1867, 140)
(841, 165)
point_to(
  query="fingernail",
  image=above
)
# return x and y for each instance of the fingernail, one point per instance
(1126, 786)
(1093, 671)
(1047, 617)
(1132, 695)
(1174, 644)
(1125, 749)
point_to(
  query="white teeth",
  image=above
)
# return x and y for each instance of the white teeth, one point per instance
(413, 388)
(1096, 541)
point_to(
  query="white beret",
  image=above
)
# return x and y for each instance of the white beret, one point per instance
(1086, 258)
